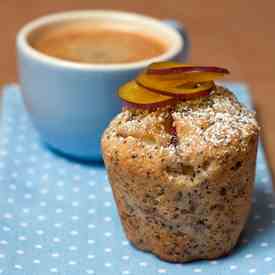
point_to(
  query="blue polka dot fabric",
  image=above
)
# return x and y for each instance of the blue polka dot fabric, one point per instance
(59, 217)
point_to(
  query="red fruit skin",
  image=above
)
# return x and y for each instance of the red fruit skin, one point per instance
(187, 69)
(179, 96)
(151, 106)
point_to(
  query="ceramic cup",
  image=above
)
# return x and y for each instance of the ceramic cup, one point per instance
(70, 104)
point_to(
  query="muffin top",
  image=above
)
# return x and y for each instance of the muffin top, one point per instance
(196, 130)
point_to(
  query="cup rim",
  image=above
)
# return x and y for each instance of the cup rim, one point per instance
(23, 44)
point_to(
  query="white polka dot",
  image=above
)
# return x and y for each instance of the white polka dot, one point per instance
(12, 186)
(91, 226)
(20, 252)
(271, 206)
(40, 232)
(107, 219)
(26, 210)
(10, 200)
(22, 238)
(36, 261)
(125, 257)
(197, 270)
(2, 256)
(257, 217)
(76, 189)
(125, 243)
(91, 197)
(59, 210)
(58, 225)
(55, 255)
(91, 241)
(273, 273)
(34, 146)
(39, 246)
(248, 256)
(91, 183)
(108, 264)
(60, 197)
(27, 196)
(43, 204)
(213, 262)
(91, 256)
(3, 242)
(47, 166)
(44, 191)
(19, 149)
(264, 244)
(24, 224)
(75, 203)
(126, 272)
(74, 233)
(91, 211)
(60, 183)
(162, 270)
(14, 175)
(54, 270)
(72, 263)
(17, 266)
(72, 248)
(268, 259)
(3, 153)
(62, 171)
(107, 234)
(233, 267)
(108, 250)
(56, 240)
(33, 159)
(41, 218)
(92, 172)
(76, 178)
(90, 271)
(144, 264)
(107, 189)
(273, 221)
(252, 270)
(8, 216)
(107, 203)
(29, 184)
(45, 177)
(31, 171)
(6, 228)
(75, 218)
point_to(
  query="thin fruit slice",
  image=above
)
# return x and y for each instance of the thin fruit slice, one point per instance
(160, 82)
(164, 68)
(139, 97)
(189, 90)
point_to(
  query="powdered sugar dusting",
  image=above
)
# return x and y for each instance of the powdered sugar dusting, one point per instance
(215, 121)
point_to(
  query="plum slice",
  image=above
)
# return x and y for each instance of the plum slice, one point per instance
(136, 96)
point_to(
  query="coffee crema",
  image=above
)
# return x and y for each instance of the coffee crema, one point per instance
(96, 44)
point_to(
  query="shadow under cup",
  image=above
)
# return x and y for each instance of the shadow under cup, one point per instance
(69, 103)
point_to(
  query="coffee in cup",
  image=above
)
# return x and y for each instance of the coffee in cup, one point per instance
(92, 43)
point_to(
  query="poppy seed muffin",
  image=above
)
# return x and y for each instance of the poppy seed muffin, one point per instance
(182, 176)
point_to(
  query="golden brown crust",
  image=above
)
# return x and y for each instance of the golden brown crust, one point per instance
(188, 199)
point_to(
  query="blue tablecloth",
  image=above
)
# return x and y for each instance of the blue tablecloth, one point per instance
(59, 217)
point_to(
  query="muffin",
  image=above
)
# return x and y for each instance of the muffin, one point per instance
(182, 175)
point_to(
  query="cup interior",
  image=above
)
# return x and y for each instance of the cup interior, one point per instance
(123, 21)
